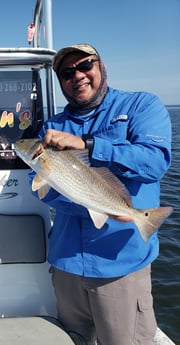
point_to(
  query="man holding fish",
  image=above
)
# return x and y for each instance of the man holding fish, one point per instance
(118, 147)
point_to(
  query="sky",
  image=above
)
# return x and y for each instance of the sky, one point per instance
(139, 40)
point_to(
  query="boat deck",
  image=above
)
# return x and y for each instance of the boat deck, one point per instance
(45, 331)
(162, 339)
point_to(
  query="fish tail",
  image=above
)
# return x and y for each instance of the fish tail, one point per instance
(152, 219)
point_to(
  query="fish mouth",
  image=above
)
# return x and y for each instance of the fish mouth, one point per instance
(38, 151)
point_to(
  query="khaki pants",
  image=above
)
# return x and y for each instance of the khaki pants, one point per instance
(115, 311)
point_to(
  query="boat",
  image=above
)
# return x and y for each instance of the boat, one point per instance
(27, 301)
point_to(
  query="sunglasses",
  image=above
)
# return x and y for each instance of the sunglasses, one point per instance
(85, 66)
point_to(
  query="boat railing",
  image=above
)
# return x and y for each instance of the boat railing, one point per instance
(26, 57)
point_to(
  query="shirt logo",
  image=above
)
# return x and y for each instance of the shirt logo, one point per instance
(121, 117)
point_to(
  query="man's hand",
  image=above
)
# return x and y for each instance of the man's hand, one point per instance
(62, 140)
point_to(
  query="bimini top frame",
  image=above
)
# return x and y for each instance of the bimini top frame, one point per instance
(35, 58)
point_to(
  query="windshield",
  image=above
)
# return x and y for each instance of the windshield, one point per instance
(21, 109)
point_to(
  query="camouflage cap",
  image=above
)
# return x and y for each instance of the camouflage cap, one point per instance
(60, 55)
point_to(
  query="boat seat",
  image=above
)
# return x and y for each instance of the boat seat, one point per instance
(35, 331)
(22, 239)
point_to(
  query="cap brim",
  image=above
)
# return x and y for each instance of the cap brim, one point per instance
(60, 55)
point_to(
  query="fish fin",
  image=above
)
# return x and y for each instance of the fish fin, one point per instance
(83, 155)
(114, 183)
(153, 219)
(99, 219)
(43, 191)
(37, 182)
(40, 185)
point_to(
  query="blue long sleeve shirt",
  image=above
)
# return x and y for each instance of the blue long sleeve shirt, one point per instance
(132, 137)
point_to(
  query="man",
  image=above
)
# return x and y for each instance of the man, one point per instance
(102, 278)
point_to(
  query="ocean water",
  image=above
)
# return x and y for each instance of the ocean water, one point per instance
(166, 268)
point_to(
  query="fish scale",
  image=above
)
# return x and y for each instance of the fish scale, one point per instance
(97, 189)
(83, 180)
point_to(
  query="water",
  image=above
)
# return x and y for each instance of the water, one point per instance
(166, 268)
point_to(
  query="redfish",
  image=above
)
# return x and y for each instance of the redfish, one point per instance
(97, 189)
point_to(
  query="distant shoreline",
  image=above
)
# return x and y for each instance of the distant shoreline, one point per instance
(172, 105)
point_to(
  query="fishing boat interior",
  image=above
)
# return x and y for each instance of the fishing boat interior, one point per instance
(27, 99)
(27, 302)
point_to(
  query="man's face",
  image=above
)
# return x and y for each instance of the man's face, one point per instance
(80, 83)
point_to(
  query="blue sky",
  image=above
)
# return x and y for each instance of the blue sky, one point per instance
(139, 40)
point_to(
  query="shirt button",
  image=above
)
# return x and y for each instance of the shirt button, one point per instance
(100, 155)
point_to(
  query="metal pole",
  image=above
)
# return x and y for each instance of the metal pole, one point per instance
(47, 13)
